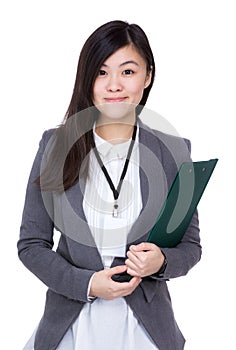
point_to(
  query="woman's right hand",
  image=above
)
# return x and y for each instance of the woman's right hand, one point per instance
(102, 285)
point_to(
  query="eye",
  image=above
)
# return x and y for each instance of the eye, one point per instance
(102, 72)
(128, 72)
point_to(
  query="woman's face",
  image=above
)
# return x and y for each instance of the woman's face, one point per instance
(120, 84)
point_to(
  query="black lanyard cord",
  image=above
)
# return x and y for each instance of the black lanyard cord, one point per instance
(115, 191)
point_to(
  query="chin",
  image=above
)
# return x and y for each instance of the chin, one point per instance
(117, 111)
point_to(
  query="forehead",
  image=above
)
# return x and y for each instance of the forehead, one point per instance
(125, 54)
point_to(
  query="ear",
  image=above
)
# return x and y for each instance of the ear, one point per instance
(148, 79)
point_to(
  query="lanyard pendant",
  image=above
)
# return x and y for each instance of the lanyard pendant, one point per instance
(115, 209)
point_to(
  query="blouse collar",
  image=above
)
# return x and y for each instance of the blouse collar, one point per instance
(120, 149)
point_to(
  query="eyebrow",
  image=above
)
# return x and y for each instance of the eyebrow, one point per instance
(124, 63)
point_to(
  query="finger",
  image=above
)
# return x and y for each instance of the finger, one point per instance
(132, 264)
(133, 272)
(132, 284)
(116, 270)
(133, 257)
(126, 288)
(135, 281)
(144, 246)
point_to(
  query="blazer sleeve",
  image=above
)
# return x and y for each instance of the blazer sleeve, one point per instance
(35, 245)
(186, 254)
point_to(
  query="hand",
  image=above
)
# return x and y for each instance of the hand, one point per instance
(144, 259)
(102, 285)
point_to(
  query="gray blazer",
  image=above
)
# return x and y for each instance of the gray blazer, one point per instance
(67, 270)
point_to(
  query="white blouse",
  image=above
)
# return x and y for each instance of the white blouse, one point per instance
(109, 324)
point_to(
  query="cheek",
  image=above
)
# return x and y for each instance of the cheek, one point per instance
(96, 90)
(137, 89)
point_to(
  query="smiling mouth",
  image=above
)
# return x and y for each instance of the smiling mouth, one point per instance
(115, 99)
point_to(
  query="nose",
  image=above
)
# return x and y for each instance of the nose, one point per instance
(114, 84)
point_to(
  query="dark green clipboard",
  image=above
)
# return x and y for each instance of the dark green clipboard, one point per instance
(181, 202)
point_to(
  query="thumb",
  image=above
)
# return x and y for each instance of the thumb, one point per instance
(117, 269)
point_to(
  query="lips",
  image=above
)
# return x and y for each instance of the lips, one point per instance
(115, 99)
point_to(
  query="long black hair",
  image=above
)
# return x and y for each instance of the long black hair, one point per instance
(64, 166)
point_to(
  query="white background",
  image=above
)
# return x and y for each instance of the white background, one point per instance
(194, 46)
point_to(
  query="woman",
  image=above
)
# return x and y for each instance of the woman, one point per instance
(100, 180)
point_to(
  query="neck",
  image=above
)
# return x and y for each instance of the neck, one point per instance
(115, 132)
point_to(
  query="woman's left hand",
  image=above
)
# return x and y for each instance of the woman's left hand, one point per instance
(144, 259)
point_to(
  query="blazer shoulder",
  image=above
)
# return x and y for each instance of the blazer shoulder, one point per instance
(165, 138)
(47, 135)
(47, 140)
(43, 147)
(174, 139)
